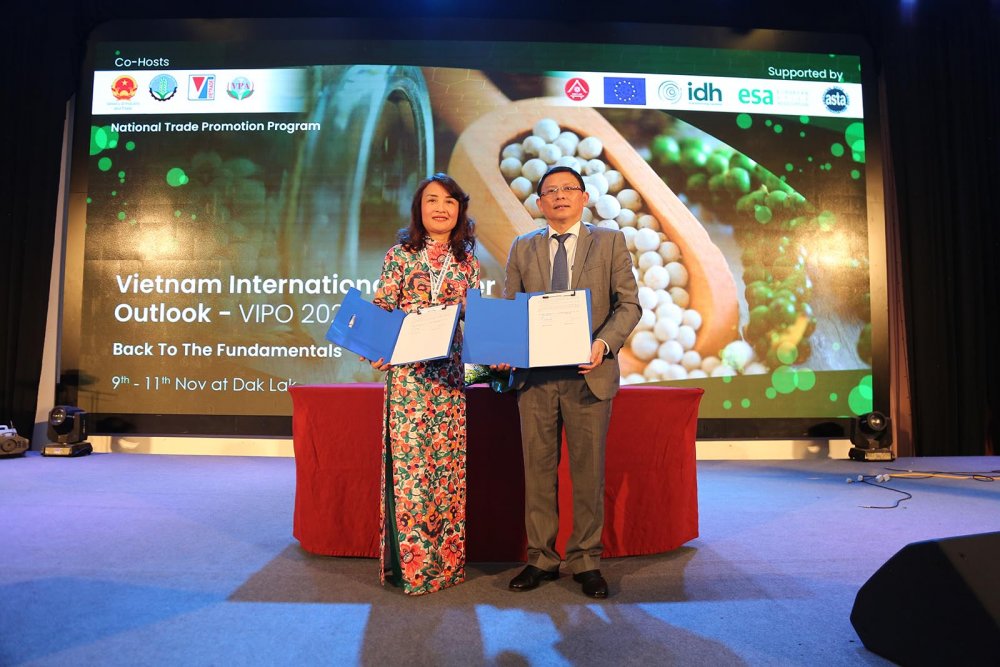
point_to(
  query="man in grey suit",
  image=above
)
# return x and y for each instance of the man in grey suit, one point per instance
(569, 254)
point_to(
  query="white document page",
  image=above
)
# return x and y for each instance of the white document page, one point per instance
(425, 335)
(558, 329)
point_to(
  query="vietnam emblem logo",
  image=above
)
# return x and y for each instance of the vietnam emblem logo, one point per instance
(124, 87)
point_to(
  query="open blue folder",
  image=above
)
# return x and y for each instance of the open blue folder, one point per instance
(501, 331)
(396, 336)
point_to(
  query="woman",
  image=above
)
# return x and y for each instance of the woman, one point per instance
(423, 479)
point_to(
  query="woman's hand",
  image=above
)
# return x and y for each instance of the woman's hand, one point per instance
(380, 365)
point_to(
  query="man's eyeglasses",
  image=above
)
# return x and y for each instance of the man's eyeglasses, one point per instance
(567, 189)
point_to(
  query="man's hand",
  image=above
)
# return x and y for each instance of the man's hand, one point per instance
(597, 351)
(502, 367)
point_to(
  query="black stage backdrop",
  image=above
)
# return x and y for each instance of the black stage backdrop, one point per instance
(938, 69)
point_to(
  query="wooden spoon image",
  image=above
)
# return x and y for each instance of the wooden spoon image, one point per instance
(486, 121)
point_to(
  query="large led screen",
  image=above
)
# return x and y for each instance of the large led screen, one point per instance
(232, 180)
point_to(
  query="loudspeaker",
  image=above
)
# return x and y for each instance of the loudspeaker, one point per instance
(934, 603)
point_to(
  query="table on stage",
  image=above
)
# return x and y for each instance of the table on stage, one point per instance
(650, 496)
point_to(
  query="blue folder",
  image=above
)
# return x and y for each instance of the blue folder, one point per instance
(496, 330)
(367, 330)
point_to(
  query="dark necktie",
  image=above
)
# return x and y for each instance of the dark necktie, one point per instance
(560, 267)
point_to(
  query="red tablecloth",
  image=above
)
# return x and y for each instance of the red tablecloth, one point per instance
(651, 496)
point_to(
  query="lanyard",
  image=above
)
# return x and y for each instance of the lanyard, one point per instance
(437, 278)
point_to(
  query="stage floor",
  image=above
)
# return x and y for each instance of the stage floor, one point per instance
(123, 559)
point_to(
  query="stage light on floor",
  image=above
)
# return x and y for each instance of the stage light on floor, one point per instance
(12, 444)
(872, 438)
(67, 431)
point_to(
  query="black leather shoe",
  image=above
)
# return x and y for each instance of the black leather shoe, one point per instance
(530, 577)
(594, 584)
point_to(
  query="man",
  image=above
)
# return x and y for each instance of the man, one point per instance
(579, 398)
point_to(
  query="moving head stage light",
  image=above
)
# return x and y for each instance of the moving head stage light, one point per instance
(67, 431)
(872, 438)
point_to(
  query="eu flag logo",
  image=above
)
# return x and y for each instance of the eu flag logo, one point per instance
(624, 90)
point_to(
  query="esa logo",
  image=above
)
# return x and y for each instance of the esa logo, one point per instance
(755, 96)
(835, 99)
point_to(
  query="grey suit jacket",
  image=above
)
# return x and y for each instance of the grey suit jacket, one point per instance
(604, 266)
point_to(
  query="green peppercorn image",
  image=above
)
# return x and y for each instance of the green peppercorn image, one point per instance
(697, 182)
(787, 294)
(784, 264)
(782, 312)
(665, 150)
(759, 293)
(756, 273)
(693, 157)
(717, 163)
(760, 322)
(742, 161)
(717, 183)
(776, 199)
(738, 180)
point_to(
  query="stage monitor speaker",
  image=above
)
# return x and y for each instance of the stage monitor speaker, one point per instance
(934, 603)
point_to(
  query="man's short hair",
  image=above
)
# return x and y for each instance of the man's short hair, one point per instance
(560, 170)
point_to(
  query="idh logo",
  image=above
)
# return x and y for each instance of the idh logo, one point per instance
(835, 99)
(706, 93)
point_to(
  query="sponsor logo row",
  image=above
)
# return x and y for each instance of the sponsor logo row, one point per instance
(164, 87)
(632, 91)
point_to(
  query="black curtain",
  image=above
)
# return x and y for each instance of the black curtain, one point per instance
(41, 55)
(938, 66)
(941, 80)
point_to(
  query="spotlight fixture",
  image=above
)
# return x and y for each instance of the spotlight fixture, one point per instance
(872, 438)
(67, 431)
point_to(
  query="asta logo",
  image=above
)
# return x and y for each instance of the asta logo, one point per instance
(706, 93)
(835, 99)
(240, 88)
(163, 87)
(124, 87)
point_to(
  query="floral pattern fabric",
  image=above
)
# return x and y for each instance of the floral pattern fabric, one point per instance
(424, 433)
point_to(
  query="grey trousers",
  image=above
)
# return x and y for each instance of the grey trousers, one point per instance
(550, 400)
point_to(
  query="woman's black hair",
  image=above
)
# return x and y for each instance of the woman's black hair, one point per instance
(463, 236)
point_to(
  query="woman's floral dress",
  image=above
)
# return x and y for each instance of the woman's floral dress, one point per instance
(422, 513)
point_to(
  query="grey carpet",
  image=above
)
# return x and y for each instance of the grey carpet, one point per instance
(119, 559)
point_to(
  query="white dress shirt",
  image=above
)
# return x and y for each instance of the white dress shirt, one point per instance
(570, 244)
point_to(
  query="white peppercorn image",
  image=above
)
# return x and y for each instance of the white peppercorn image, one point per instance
(663, 342)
